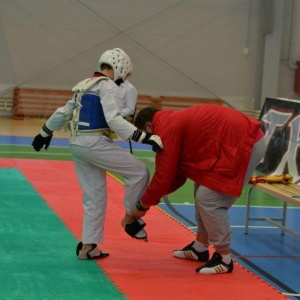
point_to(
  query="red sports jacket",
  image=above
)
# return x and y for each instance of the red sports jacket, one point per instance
(209, 144)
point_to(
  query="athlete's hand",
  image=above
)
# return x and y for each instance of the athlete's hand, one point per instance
(154, 141)
(147, 138)
(39, 142)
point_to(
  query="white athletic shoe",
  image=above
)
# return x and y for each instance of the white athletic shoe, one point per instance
(188, 252)
(215, 266)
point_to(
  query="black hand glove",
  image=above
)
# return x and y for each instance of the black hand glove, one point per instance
(147, 138)
(154, 141)
(39, 142)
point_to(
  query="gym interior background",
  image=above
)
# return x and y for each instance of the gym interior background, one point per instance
(237, 51)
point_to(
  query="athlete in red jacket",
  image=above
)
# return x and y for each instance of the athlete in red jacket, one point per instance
(218, 148)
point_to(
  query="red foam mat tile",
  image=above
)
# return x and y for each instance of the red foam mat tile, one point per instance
(141, 270)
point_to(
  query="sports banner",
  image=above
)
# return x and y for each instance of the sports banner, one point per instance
(280, 121)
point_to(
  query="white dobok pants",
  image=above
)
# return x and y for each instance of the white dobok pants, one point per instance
(93, 155)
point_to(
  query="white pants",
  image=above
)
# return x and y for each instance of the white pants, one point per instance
(93, 155)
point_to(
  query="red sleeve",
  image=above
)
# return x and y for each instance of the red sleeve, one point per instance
(165, 178)
(178, 181)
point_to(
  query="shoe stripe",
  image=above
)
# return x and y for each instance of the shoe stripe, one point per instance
(188, 254)
(220, 269)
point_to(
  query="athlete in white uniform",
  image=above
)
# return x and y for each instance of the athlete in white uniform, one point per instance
(91, 115)
(128, 98)
(128, 93)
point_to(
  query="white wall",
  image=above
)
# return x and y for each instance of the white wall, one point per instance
(183, 48)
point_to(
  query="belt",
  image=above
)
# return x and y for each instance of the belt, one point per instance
(109, 134)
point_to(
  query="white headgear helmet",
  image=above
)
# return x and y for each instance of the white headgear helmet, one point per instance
(118, 60)
(129, 65)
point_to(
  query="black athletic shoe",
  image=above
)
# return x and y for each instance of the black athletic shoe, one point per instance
(188, 252)
(215, 266)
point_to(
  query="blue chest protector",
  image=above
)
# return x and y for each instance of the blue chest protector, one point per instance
(91, 114)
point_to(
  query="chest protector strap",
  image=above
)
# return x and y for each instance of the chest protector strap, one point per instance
(88, 113)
